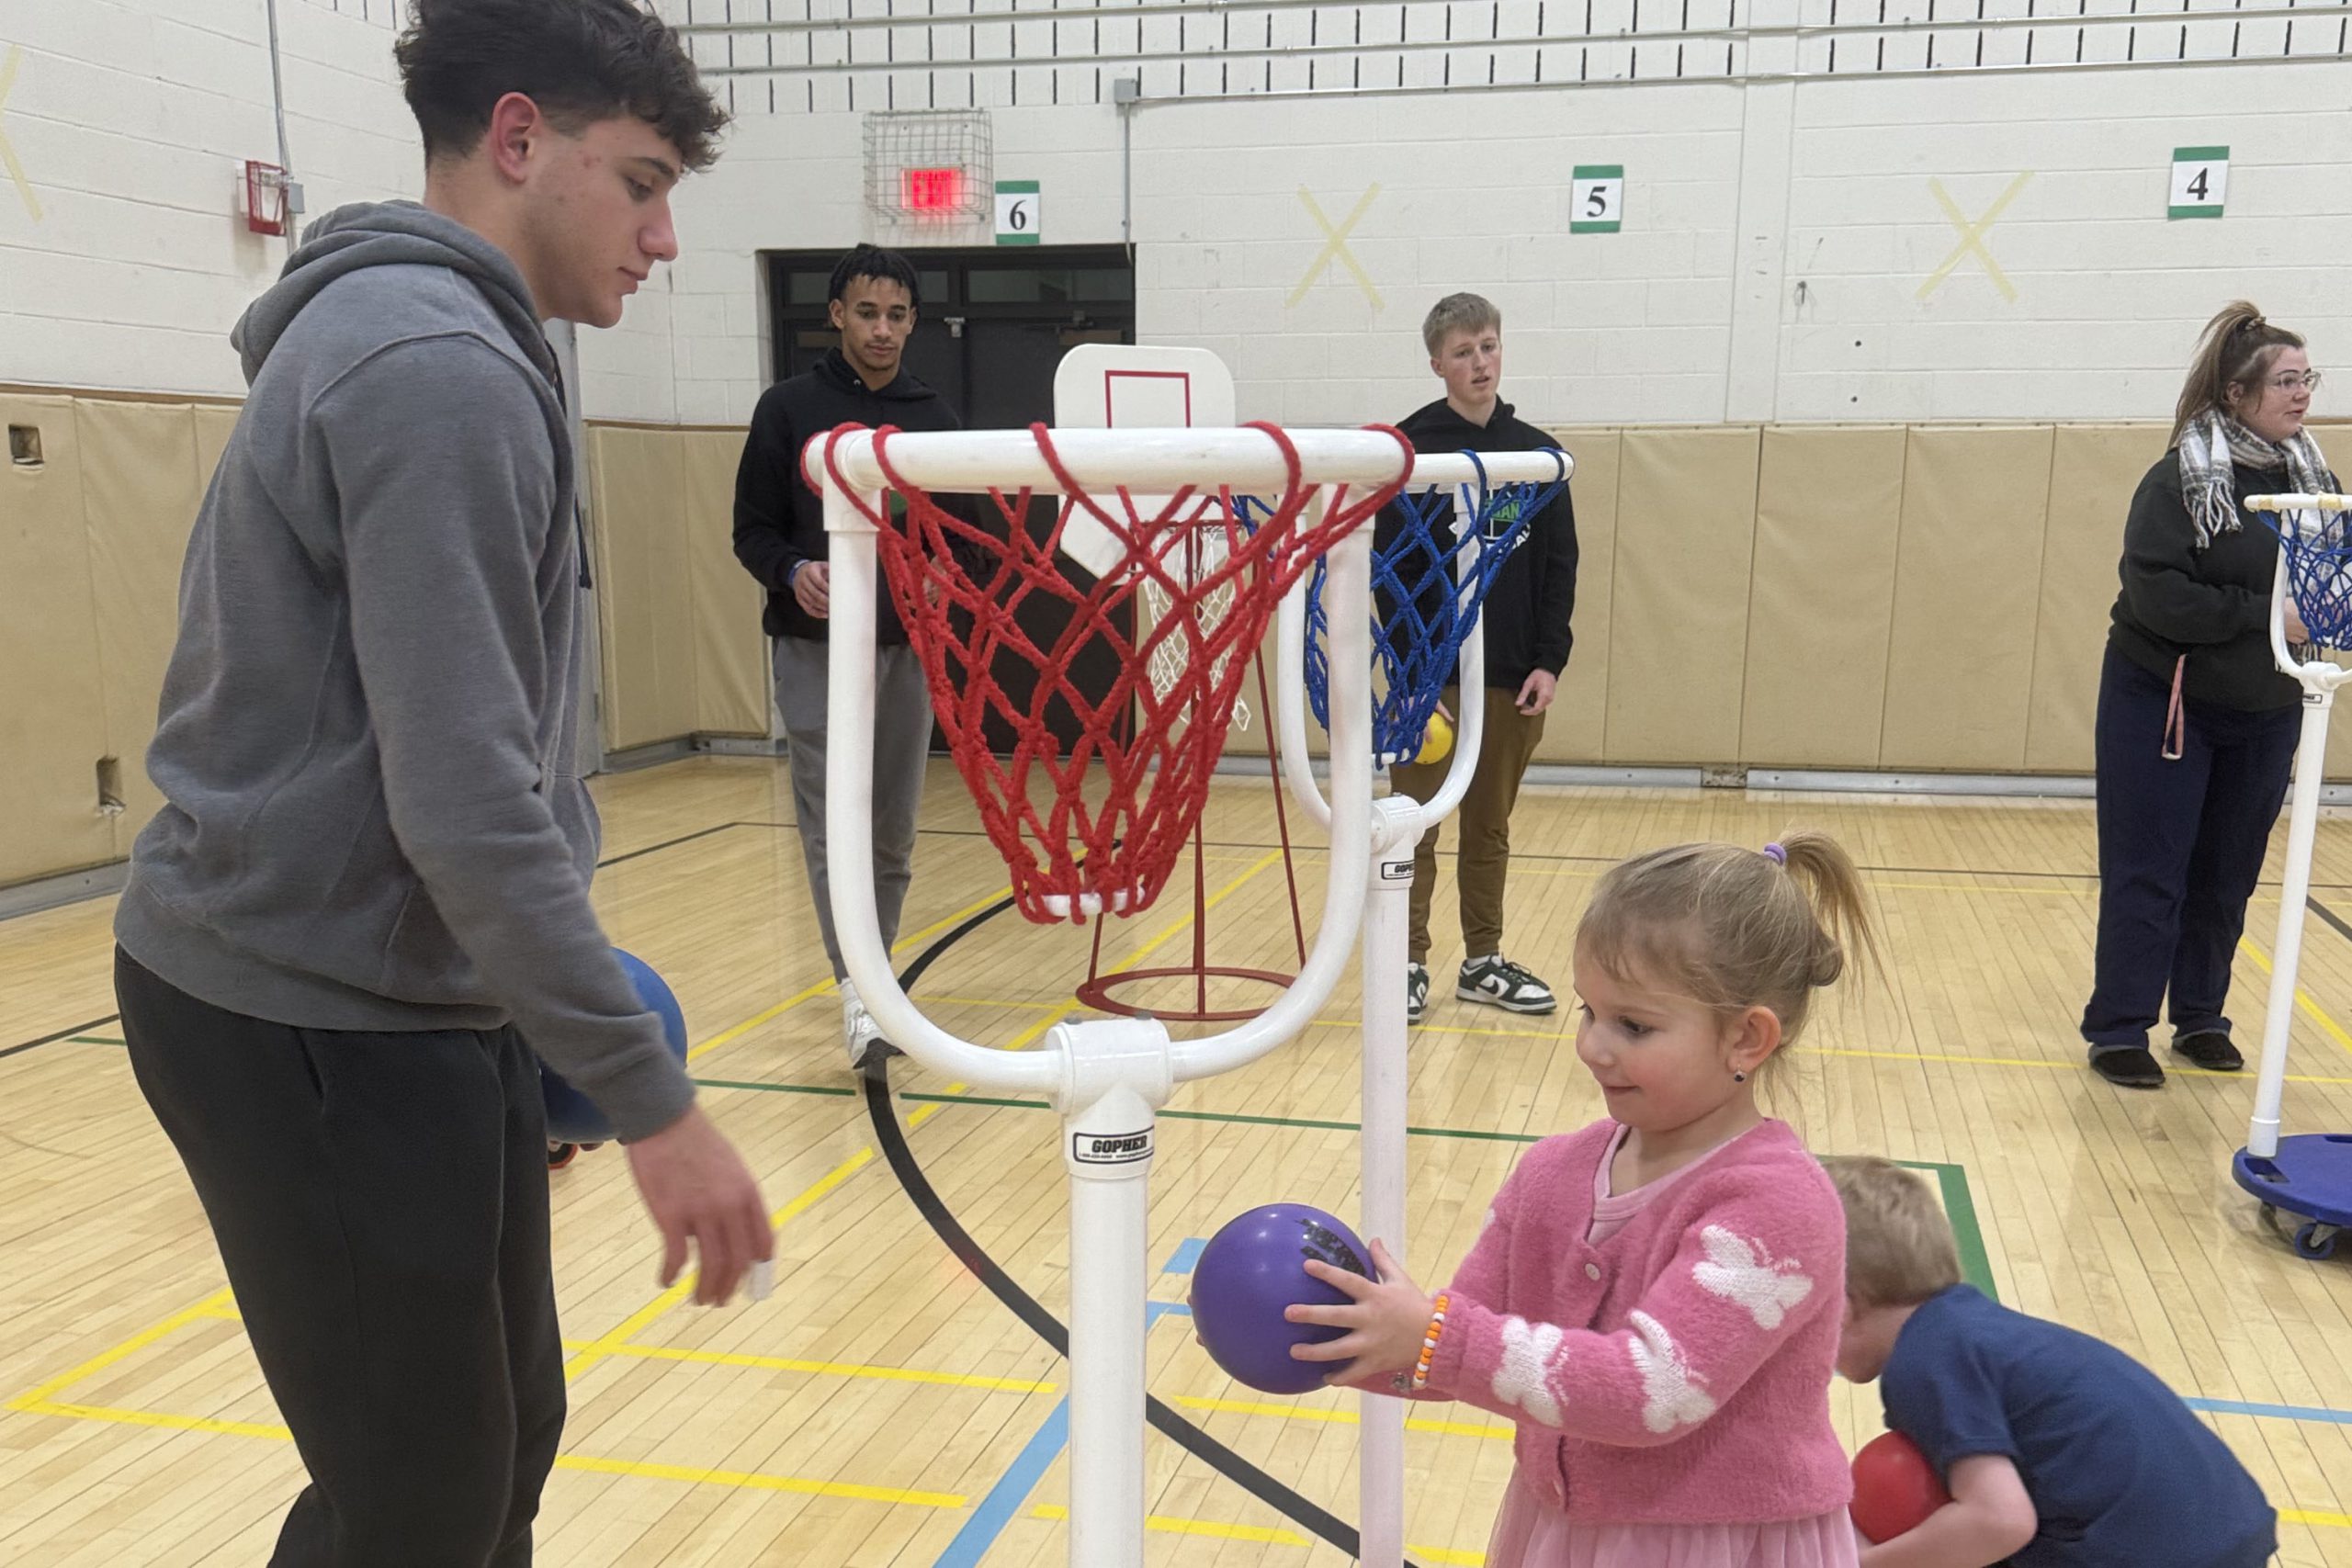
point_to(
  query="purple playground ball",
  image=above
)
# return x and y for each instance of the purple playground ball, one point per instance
(1253, 1269)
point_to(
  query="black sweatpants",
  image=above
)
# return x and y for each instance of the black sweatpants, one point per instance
(2180, 847)
(381, 1202)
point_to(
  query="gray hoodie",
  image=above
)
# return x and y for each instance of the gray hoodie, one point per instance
(372, 822)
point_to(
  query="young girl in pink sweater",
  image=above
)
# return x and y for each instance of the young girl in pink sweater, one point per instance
(1655, 1300)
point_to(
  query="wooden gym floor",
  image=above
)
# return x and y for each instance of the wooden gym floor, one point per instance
(883, 1409)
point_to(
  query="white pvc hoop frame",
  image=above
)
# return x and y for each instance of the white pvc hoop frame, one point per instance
(2319, 678)
(1108, 1077)
(1398, 824)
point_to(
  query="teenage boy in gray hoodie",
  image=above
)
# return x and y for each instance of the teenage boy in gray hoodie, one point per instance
(370, 887)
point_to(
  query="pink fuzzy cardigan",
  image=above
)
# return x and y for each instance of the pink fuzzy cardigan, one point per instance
(1680, 1371)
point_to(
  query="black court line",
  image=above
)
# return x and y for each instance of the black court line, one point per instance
(2335, 922)
(891, 1138)
(667, 844)
(61, 1035)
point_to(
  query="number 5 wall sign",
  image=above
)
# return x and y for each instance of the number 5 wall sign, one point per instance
(2200, 180)
(1597, 199)
(1020, 213)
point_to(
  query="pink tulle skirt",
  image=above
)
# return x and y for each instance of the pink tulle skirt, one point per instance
(1529, 1533)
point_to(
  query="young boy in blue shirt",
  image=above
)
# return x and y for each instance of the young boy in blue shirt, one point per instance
(2059, 1451)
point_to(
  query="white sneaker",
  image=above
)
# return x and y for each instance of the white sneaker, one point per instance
(861, 1034)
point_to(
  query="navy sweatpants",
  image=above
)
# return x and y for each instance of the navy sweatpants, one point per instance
(2180, 847)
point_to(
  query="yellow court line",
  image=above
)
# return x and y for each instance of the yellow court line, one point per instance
(606, 1344)
(612, 1343)
(825, 1489)
(761, 1483)
(644, 1315)
(597, 1349)
(769, 1363)
(130, 1347)
(1036, 1032)
(1166, 1525)
(825, 1369)
(155, 1418)
(687, 1473)
(1340, 1418)
(2302, 998)
(727, 1037)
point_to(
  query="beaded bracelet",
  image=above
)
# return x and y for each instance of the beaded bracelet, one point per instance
(1429, 1344)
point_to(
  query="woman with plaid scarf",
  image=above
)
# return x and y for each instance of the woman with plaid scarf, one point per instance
(2196, 725)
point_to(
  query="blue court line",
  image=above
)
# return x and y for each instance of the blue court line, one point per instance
(2275, 1412)
(1004, 1499)
(1186, 1257)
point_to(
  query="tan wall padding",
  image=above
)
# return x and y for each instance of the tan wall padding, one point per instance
(1827, 503)
(52, 701)
(1575, 729)
(643, 594)
(140, 485)
(1967, 592)
(2093, 472)
(1685, 524)
(215, 423)
(730, 652)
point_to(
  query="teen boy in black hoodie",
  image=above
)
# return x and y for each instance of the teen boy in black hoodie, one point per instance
(1526, 627)
(780, 539)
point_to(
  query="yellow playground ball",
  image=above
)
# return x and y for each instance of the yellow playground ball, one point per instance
(1436, 741)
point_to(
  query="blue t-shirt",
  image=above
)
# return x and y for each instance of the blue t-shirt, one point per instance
(2122, 1472)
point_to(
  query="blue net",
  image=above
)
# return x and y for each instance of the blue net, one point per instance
(1429, 579)
(2318, 547)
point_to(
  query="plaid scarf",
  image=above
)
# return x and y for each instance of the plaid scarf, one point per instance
(2211, 442)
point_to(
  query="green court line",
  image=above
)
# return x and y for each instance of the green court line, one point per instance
(1959, 1203)
(1960, 1207)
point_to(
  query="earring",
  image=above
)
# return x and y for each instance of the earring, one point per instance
(1738, 1076)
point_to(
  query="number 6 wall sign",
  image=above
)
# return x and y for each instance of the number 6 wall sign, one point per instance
(1020, 213)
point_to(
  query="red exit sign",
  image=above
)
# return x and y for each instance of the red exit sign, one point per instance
(934, 190)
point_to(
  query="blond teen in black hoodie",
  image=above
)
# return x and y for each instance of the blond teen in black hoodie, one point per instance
(1526, 618)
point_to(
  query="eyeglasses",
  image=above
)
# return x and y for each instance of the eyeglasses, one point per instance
(2308, 380)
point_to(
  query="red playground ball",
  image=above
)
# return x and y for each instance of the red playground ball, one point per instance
(1895, 1488)
(1252, 1270)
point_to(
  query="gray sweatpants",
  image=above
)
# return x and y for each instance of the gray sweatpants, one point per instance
(901, 746)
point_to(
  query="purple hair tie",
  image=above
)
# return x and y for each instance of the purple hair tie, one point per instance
(1776, 854)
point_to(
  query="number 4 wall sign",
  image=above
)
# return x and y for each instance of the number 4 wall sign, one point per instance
(2200, 180)
(1597, 199)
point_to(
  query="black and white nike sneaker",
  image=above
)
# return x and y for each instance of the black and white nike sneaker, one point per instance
(1498, 982)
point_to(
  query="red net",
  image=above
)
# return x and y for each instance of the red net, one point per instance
(1100, 793)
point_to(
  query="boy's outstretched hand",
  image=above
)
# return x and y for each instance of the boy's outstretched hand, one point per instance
(1386, 1320)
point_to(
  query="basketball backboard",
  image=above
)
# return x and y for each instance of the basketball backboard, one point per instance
(1111, 386)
